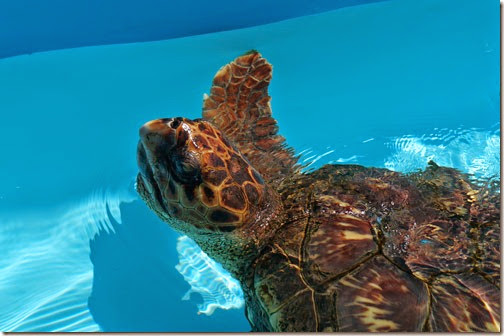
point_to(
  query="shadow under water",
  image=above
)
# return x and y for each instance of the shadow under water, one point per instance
(136, 287)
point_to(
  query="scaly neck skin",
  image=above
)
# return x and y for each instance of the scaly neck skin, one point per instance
(234, 250)
(237, 250)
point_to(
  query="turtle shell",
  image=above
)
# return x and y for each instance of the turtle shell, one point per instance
(367, 249)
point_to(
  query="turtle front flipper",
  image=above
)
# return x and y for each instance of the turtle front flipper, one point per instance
(239, 105)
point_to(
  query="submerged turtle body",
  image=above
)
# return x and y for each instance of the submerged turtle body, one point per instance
(366, 249)
(342, 248)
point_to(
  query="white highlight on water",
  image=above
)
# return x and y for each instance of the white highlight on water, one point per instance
(206, 277)
(472, 151)
(308, 159)
(46, 275)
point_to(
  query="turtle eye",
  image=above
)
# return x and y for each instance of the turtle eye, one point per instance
(186, 168)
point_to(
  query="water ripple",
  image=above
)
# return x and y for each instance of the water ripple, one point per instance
(308, 158)
(208, 278)
(474, 151)
(45, 272)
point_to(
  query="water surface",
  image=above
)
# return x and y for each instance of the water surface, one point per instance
(390, 84)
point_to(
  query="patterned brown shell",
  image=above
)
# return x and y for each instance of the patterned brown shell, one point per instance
(366, 249)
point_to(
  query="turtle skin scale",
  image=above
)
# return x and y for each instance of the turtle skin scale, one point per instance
(368, 249)
(342, 248)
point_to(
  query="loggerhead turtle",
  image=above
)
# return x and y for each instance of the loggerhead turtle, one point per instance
(342, 248)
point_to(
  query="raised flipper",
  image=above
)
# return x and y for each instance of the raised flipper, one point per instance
(239, 105)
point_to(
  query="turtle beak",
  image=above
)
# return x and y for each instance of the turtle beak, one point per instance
(146, 174)
(157, 139)
(159, 133)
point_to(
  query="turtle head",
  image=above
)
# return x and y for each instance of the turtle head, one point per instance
(190, 172)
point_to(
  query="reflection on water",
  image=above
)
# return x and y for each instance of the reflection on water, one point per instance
(136, 286)
(45, 272)
(310, 160)
(208, 278)
(473, 151)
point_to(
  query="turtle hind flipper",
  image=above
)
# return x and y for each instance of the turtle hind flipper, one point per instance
(239, 105)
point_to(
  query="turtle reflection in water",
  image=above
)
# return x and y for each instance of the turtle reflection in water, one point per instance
(342, 248)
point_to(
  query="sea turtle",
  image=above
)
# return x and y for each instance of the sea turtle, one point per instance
(342, 248)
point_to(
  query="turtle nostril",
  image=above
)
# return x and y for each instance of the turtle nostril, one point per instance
(165, 120)
(175, 123)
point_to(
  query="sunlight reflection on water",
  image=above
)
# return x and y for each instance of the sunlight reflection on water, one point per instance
(46, 275)
(473, 151)
(208, 278)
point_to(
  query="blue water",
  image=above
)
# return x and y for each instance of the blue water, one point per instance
(390, 84)
(28, 26)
